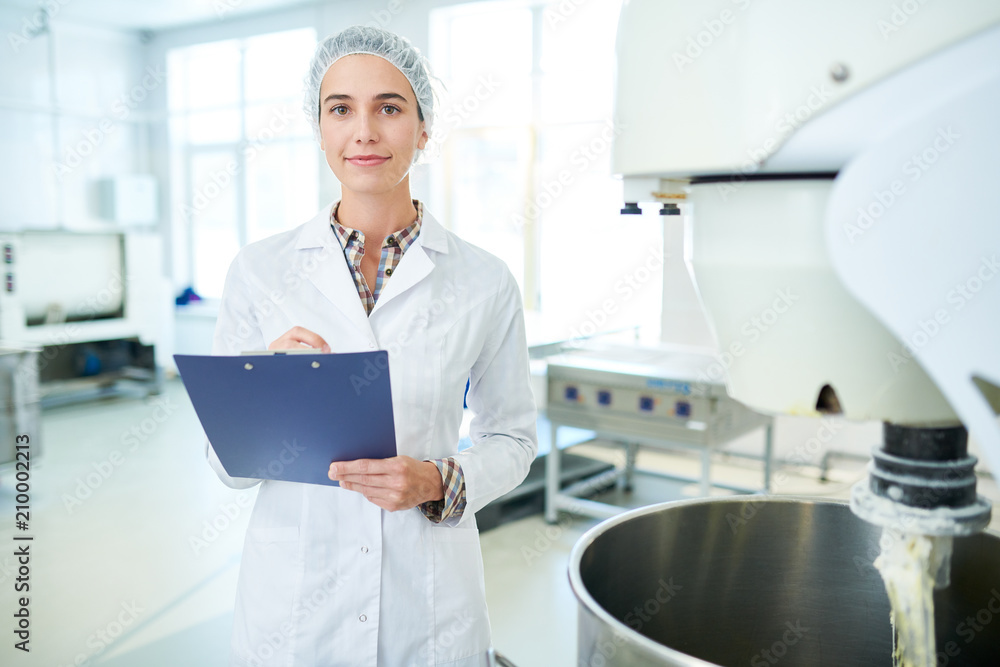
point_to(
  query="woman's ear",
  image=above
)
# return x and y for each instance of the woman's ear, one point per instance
(423, 136)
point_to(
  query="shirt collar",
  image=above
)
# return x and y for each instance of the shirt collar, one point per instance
(318, 233)
(404, 238)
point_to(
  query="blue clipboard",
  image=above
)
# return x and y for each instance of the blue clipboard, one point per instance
(287, 417)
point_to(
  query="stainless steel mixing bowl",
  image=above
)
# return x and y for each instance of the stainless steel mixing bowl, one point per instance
(754, 581)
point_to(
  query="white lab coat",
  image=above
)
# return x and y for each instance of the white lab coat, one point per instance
(328, 578)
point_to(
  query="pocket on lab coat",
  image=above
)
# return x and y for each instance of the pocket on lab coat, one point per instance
(461, 625)
(270, 582)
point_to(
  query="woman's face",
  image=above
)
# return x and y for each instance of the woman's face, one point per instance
(369, 125)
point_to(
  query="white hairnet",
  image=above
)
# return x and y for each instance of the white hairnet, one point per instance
(377, 42)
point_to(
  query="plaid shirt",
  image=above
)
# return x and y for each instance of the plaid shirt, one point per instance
(393, 247)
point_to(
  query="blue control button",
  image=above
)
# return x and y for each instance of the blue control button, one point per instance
(682, 409)
(604, 397)
(646, 403)
(572, 393)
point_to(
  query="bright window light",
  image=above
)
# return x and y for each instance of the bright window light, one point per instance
(244, 164)
(525, 160)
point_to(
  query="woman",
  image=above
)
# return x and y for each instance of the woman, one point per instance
(386, 569)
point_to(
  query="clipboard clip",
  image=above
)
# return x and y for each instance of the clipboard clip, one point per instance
(248, 366)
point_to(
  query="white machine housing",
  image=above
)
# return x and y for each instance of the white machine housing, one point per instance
(838, 161)
(104, 285)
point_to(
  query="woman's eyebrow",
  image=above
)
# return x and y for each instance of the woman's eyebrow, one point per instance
(380, 97)
(390, 96)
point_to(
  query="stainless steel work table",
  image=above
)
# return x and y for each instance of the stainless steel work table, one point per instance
(660, 397)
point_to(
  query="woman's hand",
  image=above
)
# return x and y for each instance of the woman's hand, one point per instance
(393, 484)
(298, 337)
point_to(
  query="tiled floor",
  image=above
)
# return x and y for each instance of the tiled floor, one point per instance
(137, 544)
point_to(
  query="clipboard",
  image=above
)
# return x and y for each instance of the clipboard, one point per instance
(287, 417)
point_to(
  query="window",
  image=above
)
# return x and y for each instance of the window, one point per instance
(244, 163)
(525, 160)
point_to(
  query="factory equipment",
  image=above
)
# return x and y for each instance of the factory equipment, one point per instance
(95, 304)
(762, 582)
(656, 397)
(20, 408)
(839, 158)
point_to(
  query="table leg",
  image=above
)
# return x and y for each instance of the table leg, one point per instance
(631, 450)
(768, 458)
(552, 478)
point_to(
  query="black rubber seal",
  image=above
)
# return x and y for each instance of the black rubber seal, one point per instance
(924, 467)
(741, 178)
(925, 444)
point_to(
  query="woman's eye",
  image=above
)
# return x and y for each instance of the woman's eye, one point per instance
(390, 110)
(339, 110)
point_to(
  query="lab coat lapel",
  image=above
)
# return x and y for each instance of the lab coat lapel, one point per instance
(416, 263)
(321, 258)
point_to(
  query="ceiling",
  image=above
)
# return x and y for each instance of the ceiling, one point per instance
(152, 14)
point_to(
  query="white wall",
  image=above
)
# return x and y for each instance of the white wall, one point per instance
(73, 110)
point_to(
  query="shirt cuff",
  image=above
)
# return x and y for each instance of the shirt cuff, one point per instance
(453, 504)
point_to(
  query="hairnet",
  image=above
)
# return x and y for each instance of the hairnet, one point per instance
(377, 42)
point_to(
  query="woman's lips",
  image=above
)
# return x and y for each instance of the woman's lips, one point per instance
(367, 160)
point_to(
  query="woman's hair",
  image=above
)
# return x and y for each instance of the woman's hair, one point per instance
(376, 42)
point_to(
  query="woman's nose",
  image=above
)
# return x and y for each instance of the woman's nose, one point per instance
(366, 129)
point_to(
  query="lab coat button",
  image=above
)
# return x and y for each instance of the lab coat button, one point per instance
(371, 345)
(362, 618)
(364, 550)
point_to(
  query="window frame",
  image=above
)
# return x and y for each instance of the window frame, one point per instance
(183, 153)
